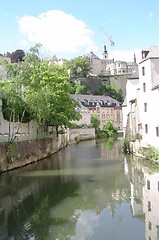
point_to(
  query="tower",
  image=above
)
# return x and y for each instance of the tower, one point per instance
(105, 53)
(134, 58)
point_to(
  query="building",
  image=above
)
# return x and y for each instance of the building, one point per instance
(85, 115)
(121, 68)
(106, 66)
(128, 106)
(151, 205)
(104, 107)
(4, 58)
(144, 120)
(99, 65)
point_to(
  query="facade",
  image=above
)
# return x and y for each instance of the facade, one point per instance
(106, 66)
(85, 115)
(143, 111)
(121, 68)
(129, 105)
(151, 205)
(104, 107)
(98, 65)
(3, 58)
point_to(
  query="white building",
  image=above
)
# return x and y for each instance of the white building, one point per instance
(144, 118)
(128, 105)
(148, 97)
(151, 205)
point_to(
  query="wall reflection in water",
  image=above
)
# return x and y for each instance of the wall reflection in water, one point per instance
(86, 191)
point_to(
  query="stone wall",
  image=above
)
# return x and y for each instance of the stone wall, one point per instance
(80, 134)
(20, 153)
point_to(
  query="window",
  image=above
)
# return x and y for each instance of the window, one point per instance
(148, 184)
(146, 128)
(143, 71)
(150, 226)
(157, 226)
(149, 206)
(98, 110)
(145, 107)
(157, 131)
(144, 87)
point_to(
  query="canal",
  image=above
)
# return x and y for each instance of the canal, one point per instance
(86, 191)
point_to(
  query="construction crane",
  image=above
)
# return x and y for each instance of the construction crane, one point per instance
(112, 43)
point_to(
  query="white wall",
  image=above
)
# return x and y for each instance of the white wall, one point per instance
(151, 97)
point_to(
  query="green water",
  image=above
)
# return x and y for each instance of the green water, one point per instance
(86, 191)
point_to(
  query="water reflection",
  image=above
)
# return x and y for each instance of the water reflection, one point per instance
(86, 191)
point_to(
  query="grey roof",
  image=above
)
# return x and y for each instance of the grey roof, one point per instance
(91, 97)
(94, 98)
(82, 109)
(135, 75)
(153, 52)
(156, 87)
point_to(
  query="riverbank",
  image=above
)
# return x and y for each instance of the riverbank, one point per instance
(19, 154)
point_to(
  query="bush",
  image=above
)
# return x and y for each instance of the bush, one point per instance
(109, 129)
(126, 145)
(150, 153)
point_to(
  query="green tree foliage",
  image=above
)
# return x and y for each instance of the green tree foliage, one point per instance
(79, 88)
(109, 129)
(112, 91)
(79, 67)
(40, 88)
(95, 122)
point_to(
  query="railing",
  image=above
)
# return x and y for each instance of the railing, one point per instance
(26, 137)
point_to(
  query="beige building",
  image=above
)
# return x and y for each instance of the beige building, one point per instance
(104, 107)
(106, 66)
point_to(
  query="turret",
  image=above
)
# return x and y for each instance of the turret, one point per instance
(105, 53)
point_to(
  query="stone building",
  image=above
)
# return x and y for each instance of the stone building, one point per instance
(106, 66)
(104, 107)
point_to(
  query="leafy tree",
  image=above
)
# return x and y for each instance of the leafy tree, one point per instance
(43, 87)
(109, 129)
(112, 91)
(79, 88)
(17, 56)
(79, 67)
(95, 122)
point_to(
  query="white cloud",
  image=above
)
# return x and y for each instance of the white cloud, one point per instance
(127, 56)
(58, 32)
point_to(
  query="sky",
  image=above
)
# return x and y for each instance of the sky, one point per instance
(72, 28)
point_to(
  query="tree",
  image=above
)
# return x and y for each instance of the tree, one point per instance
(79, 67)
(112, 91)
(109, 129)
(43, 87)
(95, 122)
(17, 56)
(79, 88)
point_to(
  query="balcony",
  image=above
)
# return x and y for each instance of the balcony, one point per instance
(138, 136)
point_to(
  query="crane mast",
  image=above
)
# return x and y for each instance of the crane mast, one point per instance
(112, 43)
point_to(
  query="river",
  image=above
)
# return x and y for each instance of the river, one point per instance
(86, 191)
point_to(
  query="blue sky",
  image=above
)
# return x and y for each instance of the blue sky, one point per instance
(70, 28)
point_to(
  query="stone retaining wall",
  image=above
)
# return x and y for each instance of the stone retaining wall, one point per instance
(18, 154)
